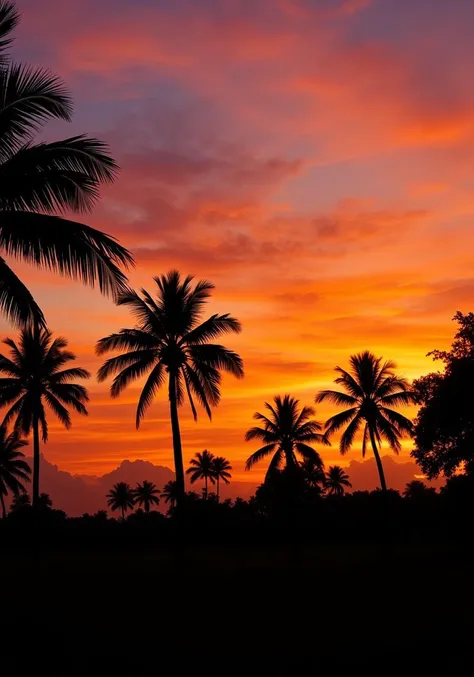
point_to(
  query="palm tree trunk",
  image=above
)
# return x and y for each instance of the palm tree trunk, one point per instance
(123, 513)
(218, 489)
(177, 448)
(4, 510)
(378, 460)
(36, 461)
(147, 507)
(205, 485)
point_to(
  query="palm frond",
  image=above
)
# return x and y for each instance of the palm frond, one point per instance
(59, 409)
(56, 177)
(336, 397)
(126, 339)
(16, 301)
(256, 433)
(398, 399)
(131, 373)
(212, 328)
(218, 357)
(68, 247)
(9, 19)
(154, 382)
(347, 437)
(337, 421)
(309, 453)
(29, 98)
(259, 455)
(402, 424)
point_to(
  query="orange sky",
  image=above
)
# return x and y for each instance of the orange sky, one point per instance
(314, 158)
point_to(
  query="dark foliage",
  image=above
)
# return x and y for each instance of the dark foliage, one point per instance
(444, 427)
(40, 180)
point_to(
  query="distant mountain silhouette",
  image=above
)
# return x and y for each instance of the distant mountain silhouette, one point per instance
(77, 494)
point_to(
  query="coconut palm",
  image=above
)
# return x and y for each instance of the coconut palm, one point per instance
(170, 493)
(336, 481)
(287, 431)
(371, 389)
(171, 345)
(146, 494)
(221, 471)
(14, 470)
(121, 497)
(34, 379)
(201, 467)
(313, 474)
(38, 181)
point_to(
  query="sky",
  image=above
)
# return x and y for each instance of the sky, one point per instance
(313, 158)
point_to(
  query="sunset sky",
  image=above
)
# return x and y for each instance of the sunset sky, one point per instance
(314, 158)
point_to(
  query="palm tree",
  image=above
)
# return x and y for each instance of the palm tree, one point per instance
(39, 181)
(416, 490)
(146, 494)
(20, 501)
(336, 481)
(14, 470)
(34, 378)
(371, 389)
(314, 475)
(202, 468)
(170, 493)
(221, 471)
(170, 344)
(286, 431)
(121, 497)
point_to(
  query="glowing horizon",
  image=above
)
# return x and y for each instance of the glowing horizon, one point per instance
(310, 157)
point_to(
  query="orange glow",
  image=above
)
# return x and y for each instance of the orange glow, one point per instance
(303, 157)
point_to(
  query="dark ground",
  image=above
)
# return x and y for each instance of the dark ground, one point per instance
(321, 610)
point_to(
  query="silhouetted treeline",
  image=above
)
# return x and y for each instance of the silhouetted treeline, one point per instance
(272, 515)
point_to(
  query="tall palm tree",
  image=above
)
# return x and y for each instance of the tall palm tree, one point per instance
(287, 430)
(121, 497)
(201, 467)
(170, 493)
(221, 471)
(146, 494)
(170, 343)
(38, 181)
(14, 470)
(371, 389)
(336, 481)
(33, 379)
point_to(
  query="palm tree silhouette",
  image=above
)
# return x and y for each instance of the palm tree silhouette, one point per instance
(146, 494)
(20, 501)
(34, 378)
(202, 468)
(170, 493)
(38, 181)
(14, 470)
(336, 481)
(170, 344)
(286, 431)
(121, 497)
(314, 475)
(371, 388)
(221, 471)
(417, 490)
